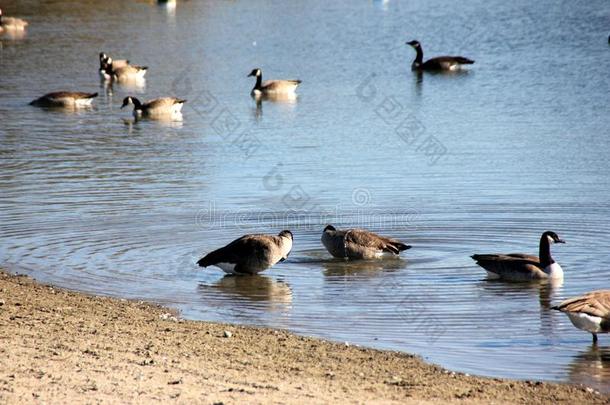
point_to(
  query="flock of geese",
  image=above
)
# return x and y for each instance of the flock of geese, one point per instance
(254, 253)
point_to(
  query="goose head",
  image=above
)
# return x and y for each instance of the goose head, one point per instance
(255, 72)
(285, 234)
(126, 101)
(415, 44)
(552, 237)
(329, 228)
(103, 57)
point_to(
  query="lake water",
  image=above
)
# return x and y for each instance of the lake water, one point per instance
(478, 162)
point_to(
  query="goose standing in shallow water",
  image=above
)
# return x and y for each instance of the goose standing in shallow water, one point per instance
(359, 244)
(590, 312)
(159, 107)
(65, 99)
(250, 254)
(271, 87)
(522, 267)
(12, 23)
(439, 63)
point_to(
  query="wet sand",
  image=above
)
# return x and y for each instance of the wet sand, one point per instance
(62, 346)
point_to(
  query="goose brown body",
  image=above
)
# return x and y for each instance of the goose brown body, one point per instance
(589, 312)
(250, 254)
(359, 243)
(523, 267)
(64, 99)
(11, 23)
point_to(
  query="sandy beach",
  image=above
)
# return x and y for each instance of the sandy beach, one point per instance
(60, 346)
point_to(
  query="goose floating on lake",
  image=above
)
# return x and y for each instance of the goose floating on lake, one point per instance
(359, 244)
(125, 73)
(271, 87)
(523, 267)
(114, 63)
(590, 312)
(12, 23)
(440, 63)
(65, 99)
(158, 107)
(250, 254)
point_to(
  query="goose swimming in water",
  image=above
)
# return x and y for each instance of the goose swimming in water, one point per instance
(271, 87)
(65, 99)
(250, 254)
(359, 244)
(12, 23)
(159, 107)
(590, 312)
(523, 267)
(440, 63)
(125, 73)
(115, 63)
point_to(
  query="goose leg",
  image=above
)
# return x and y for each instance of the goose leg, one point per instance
(594, 338)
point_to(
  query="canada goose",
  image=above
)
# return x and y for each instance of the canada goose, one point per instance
(590, 312)
(272, 86)
(522, 267)
(438, 63)
(163, 106)
(116, 63)
(12, 23)
(125, 73)
(359, 244)
(65, 99)
(250, 254)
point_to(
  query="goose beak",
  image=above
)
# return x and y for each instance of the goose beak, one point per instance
(560, 241)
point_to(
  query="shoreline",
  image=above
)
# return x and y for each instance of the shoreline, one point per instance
(64, 346)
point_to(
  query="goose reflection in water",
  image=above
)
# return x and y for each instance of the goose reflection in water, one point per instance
(288, 99)
(254, 289)
(361, 268)
(591, 367)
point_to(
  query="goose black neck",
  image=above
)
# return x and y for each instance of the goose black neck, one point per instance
(545, 252)
(136, 103)
(419, 58)
(259, 82)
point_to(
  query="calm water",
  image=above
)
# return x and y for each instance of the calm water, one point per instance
(482, 161)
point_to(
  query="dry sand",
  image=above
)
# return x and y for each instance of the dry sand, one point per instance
(58, 346)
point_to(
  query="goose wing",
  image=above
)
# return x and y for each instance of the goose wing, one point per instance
(76, 95)
(279, 85)
(443, 62)
(514, 265)
(241, 252)
(372, 240)
(596, 303)
(13, 22)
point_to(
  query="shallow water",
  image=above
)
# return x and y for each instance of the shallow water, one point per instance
(481, 161)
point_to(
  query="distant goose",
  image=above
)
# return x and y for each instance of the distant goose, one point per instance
(590, 312)
(12, 23)
(163, 106)
(125, 73)
(116, 63)
(65, 99)
(250, 254)
(438, 63)
(270, 87)
(522, 267)
(359, 244)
